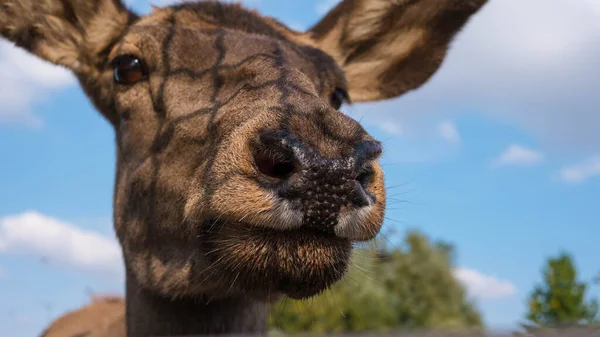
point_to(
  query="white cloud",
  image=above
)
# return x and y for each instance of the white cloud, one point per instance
(38, 234)
(585, 170)
(297, 26)
(26, 81)
(245, 2)
(391, 127)
(531, 64)
(325, 6)
(595, 4)
(449, 132)
(171, 2)
(482, 286)
(518, 155)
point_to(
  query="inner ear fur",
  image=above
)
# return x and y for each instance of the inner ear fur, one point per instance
(389, 47)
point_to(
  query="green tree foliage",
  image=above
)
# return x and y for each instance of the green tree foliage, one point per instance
(410, 287)
(560, 301)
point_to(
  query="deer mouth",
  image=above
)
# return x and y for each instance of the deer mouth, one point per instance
(299, 263)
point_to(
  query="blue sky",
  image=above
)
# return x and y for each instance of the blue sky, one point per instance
(497, 154)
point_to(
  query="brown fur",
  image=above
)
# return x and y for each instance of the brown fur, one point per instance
(99, 318)
(207, 238)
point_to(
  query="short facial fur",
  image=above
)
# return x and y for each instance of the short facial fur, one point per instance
(227, 99)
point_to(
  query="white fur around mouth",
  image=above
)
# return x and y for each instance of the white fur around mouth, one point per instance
(351, 224)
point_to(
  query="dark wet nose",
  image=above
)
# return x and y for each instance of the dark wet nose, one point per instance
(320, 186)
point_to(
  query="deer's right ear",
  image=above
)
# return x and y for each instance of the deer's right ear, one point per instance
(389, 47)
(71, 33)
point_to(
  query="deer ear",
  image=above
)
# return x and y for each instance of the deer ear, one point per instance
(71, 33)
(389, 47)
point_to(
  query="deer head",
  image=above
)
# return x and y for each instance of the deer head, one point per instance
(236, 171)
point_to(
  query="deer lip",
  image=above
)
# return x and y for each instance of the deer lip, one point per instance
(297, 262)
(304, 230)
(257, 229)
(284, 235)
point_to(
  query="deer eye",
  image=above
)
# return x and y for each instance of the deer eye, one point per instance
(129, 70)
(338, 97)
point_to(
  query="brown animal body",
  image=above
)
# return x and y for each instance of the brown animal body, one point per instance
(102, 317)
(238, 180)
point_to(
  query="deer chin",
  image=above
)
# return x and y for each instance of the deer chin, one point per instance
(298, 263)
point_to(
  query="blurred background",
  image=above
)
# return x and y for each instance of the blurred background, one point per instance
(493, 169)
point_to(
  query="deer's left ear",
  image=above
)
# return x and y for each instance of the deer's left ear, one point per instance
(71, 33)
(388, 47)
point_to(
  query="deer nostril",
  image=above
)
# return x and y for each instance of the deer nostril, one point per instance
(366, 177)
(275, 162)
(368, 151)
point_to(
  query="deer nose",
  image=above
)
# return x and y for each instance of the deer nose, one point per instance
(321, 186)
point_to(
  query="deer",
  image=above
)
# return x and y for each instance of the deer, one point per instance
(238, 179)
